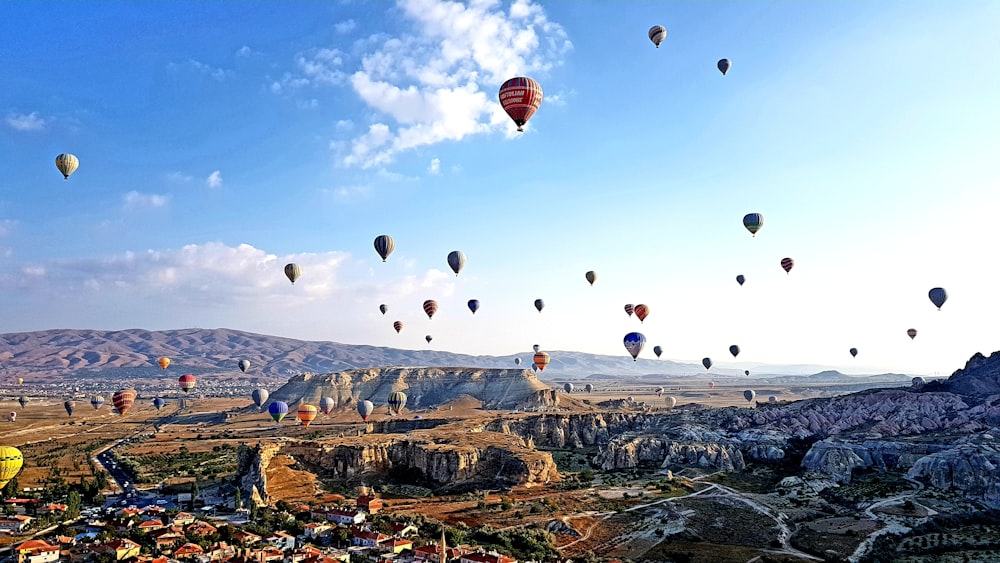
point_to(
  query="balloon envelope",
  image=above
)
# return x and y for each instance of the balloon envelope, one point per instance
(641, 311)
(634, 341)
(657, 34)
(456, 260)
(724, 65)
(163, 362)
(854, 352)
(520, 97)
(69, 406)
(629, 309)
(657, 350)
(244, 365)
(740, 279)
(912, 333)
(398, 326)
(159, 403)
(123, 400)
(307, 414)
(278, 410)
(749, 395)
(753, 222)
(428, 338)
(734, 350)
(568, 387)
(473, 305)
(11, 462)
(11, 416)
(707, 362)
(365, 409)
(259, 396)
(938, 296)
(589, 388)
(430, 307)
(186, 382)
(383, 308)
(397, 400)
(517, 361)
(22, 400)
(671, 402)
(536, 347)
(293, 272)
(541, 360)
(384, 245)
(97, 401)
(539, 304)
(787, 264)
(591, 277)
(67, 164)
(326, 405)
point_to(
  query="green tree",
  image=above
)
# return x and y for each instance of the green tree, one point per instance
(10, 489)
(194, 493)
(238, 502)
(73, 504)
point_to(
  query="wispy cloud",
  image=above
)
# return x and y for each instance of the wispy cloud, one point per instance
(244, 52)
(214, 180)
(345, 26)
(215, 73)
(316, 67)
(344, 125)
(435, 166)
(136, 200)
(179, 178)
(26, 121)
(6, 226)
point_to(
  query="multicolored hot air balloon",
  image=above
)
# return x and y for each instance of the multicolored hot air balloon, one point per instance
(707, 362)
(912, 333)
(397, 400)
(787, 264)
(259, 396)
(749, 395)
(97, 402)
(541, 360)
(69, 406)
(938, 296)
(326, 405)
(11, 416)
(589, 388)
(657, 350)
(293, 272)
(740, 279)
(278, 410)
(854, 352)
(398, 325)
(384, 245)
(456, 260)
(671, 402)
(307, 414)
(629, 309)
(520, 97)
(365, 409)
(641, 311)
(591, 277)
(123, 400)
(430, 307)
(734, 350)
(67, 164)
(163, 362)
(383, 308)
(657, 34)
(11, 461)
(473, 305)
(186, 382)
(724, 65)
(753, 222)
(634, 341)
(568, 387)
(539, 304)
(244, 365)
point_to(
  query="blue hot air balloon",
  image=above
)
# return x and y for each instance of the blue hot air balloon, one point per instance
(278, 410)
(159, 403)
(634, 341)
(938, 296)
(473, 305)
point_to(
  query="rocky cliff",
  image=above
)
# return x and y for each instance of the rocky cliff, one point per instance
(570, 430)
(251, 469)
(424, 387)
(972, 469)
(979, 377)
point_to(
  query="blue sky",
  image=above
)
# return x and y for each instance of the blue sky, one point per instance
(219, 141)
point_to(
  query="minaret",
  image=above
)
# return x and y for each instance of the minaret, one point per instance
(444, 548)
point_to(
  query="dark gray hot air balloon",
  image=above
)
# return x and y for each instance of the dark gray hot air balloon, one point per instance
(749, 395)
(707, 362)
(326, 405)
(539, 304)
(244, 365)
(734, 350)
(657, 350)
(740, 279)
(938, 296)
(568, 387)
(384, 245)
(259, 397)
(854, 352)
(456, 259)
(724, 65)
(383, 308)
(293, 272)
(589, 388)
(69, 406)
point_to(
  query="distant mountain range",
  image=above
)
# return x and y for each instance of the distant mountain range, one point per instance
(133, 354)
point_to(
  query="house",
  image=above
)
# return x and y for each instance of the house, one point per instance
(126, 513)
(160, 559)
(369, 503)
(246, 538)
(36, 551)
(345, 516)
(150, 526)
(120, 548)
(66, 541)
(167, 538)
(368, 539)
(182, 519)
(480, 557)
(188, 551)
(281, 541)
(433, 553)
(220, 551)
(404, 530)
(395, 545)
(121, 525)
(15, 525)
(317, 530)
(52, 507)
(200, 528)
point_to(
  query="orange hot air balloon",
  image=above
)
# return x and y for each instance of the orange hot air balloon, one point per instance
(398, 325)
(641, 311)
(123, 400)
(307, 414)
(520, 98)
(541, 360)
(430, 307)
(186, 382)
(163, 362)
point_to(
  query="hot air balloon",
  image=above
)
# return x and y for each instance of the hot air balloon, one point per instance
(671, 402)
(20, 381)
(746, 372)
(520, 97)
(430, 307)
(629, 309)
(428, 338)
(398, 326)
(11, 416)
(517, 361)
(772, 399)
(938, 296)
(11, 461)
(753, 222)
(536, 347)
(711, 385)
(568, 387)
(541, 360)
(293, 272)
(326, 405)
(365, 409)
(634, 341)
(456, 260)
(657, 34)
(259, 396)
(473, 305)
(591, 277)
(307, 414)
(163, 362)
(384, 245)
(854, 352)
(740, 279)
(97, 401)
(657, 350)
(534, 368)
(278, 410)
(22, 400)
(244, 365)
(659, 391)
(186, 382)
(641, 311)
(123, 400)
(707, 362)
(724, 66)
(787, 264)
(69, 406)
(734, 350)
(749, 395)
(539, 304)
(67, 164)
(397, 400)
(159, 403)
(917, 382)
(589, 388)
(383, 308)
(912, 333)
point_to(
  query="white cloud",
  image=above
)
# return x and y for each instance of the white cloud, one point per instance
(311, 103)
(344, 125)
(26, 121)
(214, 180)
(345, 26)
(34, 271)
(136, 200)
(244, 51)
(180, 178)
(215, 73)
(435, 167)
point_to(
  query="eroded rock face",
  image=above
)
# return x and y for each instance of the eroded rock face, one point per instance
(573, 430)
(251, 469)
(979, 377)
(630, 452)
(973, 470)
(424, 387)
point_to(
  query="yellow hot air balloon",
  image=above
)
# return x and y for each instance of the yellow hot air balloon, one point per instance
(20, 381)
(11, 461)
(163, 362)
(67, 164)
